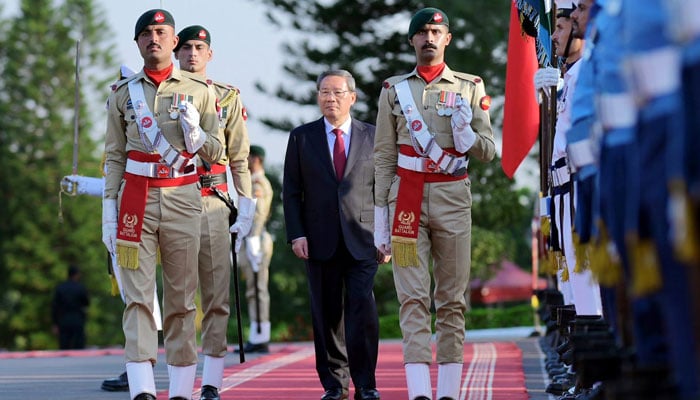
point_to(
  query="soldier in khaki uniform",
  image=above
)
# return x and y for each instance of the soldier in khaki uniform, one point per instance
(160, 121)
(193, 52)
(255, 257)
(429, 123)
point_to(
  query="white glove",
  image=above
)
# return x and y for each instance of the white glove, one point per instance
(544, 79)
(189, 120)
(382, 237)
(253, 249)
(462, 133)
(244, 221)
(109, 224)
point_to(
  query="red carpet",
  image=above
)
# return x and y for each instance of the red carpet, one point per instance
(492, 371)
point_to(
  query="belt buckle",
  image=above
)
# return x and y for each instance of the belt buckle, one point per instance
(430, 166)
(163, 171)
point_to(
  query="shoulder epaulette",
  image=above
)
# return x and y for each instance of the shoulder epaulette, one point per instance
(468, 77)
(389, 82)
(223, 85)
(231, 92)
(116, 85)
(198, 78)
(195, 77)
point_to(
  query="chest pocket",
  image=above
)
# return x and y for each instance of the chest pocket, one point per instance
(439, 124)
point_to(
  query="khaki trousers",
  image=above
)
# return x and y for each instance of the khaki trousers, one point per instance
(215, 275)
(444, 236)
(171, 223)
(263, 279)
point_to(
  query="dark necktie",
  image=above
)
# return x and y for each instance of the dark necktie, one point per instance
(339, 153)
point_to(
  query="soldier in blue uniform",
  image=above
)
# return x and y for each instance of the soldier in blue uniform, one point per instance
(654, 64)
(616, 112)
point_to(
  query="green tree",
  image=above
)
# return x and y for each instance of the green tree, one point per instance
(368, 38)
(36, 146)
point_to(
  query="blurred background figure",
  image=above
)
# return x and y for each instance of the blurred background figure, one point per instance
(68, 311)
(255, 256)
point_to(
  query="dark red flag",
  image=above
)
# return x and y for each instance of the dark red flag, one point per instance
(520, 112)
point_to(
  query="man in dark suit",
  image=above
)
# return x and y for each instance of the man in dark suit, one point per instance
(329, 214)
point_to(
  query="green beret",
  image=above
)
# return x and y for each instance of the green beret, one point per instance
(194, 32)
(156, 16)
(257, 151)
(425, 16)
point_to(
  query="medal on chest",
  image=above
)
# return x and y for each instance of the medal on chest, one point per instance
(448, 102)
(178, 98)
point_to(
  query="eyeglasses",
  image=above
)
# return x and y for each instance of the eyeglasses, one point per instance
(338, 94)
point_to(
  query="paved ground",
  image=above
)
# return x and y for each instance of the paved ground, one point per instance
(58, 376)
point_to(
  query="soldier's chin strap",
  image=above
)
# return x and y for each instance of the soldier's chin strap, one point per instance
(568, 43)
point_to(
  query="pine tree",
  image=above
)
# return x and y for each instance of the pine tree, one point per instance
(368, 38)
(36, 146)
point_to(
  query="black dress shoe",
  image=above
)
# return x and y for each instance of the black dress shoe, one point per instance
(335, 394)
(254, 348)
(145, 396)
(118, 384)
(366, 394)
(209, 393)
(446, 398)
(421, 398)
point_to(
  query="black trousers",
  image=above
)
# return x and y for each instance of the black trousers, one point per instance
(345, 321)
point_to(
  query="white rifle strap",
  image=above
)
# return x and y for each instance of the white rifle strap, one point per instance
(148, 127)
(418, 129)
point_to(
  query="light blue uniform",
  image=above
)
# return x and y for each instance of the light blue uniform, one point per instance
(654, 68)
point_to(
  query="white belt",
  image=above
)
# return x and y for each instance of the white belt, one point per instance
(544, 206)
(617, 110)
(560, 176)
(580, 153)
(156, 170)
(656, 72)
(687, 19)
(424, 164)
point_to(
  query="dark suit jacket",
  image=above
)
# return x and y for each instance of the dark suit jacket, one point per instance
(317, 205)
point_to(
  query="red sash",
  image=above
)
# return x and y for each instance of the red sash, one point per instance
(133, 206)
(404, 232)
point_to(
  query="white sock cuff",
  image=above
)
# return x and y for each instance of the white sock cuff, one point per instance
(181, 380)
(213, 371)
(449, 380)
(141, 379)
(262, 337)
(418, 380)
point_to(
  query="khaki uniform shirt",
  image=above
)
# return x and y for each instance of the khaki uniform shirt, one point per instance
(232, 123)
(123, 135)
(262, 190)
(392, 131)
